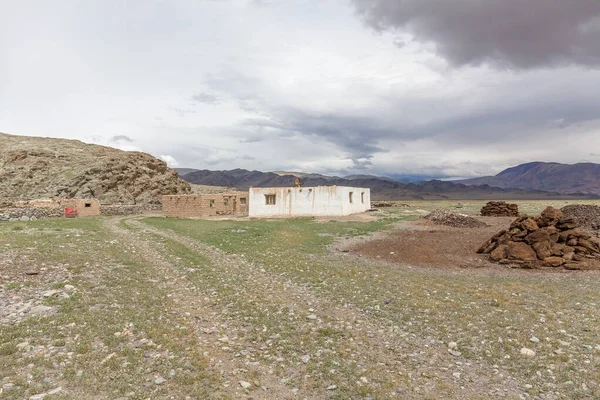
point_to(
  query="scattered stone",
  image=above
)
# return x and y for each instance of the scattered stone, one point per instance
(42, 396)
(311, 316)
(160, 380)
(457, 375)
(500, 209)
(40, 310)
(533, 339)
(107, 358)
(245, 385)
(32, 272)
(305, 359)
(332, 387)
(527, 352)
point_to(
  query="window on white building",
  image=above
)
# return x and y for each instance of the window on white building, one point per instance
(270, 199)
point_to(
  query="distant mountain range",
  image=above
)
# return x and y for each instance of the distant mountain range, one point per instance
(553, 177)
(382, 188)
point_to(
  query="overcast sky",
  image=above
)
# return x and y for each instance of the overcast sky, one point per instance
(448, 88)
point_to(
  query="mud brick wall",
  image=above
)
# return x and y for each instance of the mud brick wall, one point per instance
(205, 205)
(84, 207)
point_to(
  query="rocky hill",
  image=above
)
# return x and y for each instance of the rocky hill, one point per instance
(33, 167)
(554, 177)
(381, 188)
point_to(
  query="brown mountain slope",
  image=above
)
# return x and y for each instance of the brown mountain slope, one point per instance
(33, 167)
(554, 177)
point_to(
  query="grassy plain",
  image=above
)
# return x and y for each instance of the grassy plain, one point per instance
(159, 308)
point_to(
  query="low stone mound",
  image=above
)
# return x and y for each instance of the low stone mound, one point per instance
(551, 240)
(449, 218)
(585, 215)
(500, 209)
(380, 204)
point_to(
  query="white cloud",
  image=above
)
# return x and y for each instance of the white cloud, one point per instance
(171, 161)
(278, 85)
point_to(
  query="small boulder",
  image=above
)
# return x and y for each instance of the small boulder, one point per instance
(550, 217)
(499, 253)
(520, 251)
(543, 249)
(530, 225)
(553, 262)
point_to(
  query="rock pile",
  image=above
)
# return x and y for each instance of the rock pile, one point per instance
(584, 214)
(551, 240)
(380, 204)
(449, 218)
(500, 209)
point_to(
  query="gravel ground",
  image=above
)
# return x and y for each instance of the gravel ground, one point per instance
(165, 308)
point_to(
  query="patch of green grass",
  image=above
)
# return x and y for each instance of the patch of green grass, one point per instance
(116, 292)
(442, 305)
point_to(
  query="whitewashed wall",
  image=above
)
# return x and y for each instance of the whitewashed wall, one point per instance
(309, 201)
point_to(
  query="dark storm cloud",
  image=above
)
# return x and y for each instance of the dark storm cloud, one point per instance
(358, 136)
(506, 33)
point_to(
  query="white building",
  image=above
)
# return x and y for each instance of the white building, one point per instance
(308, 201)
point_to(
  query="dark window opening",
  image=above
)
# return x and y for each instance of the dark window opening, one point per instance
(350, 196)
(242, 200)
(211, 203)
(226, 202)
(270, 199)
(362, 197)
(88, 205)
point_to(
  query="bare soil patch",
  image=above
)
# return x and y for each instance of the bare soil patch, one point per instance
(421, 243)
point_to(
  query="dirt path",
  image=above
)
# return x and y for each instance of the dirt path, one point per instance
(287, 341)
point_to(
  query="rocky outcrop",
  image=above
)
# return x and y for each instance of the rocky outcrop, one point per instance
(500, 209)
(32, 168)
(551, 240)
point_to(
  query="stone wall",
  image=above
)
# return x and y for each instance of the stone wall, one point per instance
(500, 209)
(121, 209)
(205, 205)
(30, 213)
(49, 208)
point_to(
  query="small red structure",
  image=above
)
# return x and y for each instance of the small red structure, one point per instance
(70, 212)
